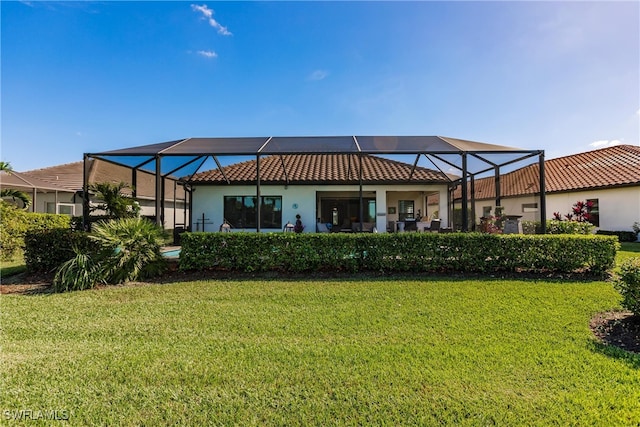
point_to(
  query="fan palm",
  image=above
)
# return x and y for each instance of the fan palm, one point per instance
(133, 247)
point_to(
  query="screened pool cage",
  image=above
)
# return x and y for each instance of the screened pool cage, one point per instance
(462, 161)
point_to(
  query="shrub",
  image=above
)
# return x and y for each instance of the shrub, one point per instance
(569, 227)
(17, 223)
(623, 236)
(46, 250)
(79, 273)
(628, 284)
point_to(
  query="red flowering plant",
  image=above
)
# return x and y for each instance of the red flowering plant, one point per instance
(578, 221)
(581, 212)
(493, 224)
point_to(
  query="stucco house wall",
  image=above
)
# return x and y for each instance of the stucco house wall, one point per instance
(208, 202)
(619, 208)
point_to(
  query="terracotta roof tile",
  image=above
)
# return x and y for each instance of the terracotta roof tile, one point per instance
(320, 168)
(607, 167)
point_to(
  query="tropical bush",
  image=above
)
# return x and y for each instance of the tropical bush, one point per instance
(115, 202)
(83, 271)
(131, 249)
(628, 284)
(127, 249)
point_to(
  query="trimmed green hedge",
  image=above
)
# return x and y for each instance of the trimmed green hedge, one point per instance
(416, 252)
(17, 223)
(46, 250)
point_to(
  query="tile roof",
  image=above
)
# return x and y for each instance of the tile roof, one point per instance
(22, 182)
(609, 167)
(67, 175)
(70, 176)
(320, 169)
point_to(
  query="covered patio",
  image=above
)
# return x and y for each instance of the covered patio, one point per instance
(462, 161)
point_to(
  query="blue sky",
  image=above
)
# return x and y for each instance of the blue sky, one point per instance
(94, 76)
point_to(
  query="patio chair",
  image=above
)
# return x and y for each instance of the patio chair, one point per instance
(435, 226)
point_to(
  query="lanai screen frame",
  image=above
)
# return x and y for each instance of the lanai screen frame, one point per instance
(431, 147)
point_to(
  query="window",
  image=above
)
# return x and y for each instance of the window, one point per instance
(405, 209)
(240, 211)
(593, 208)
(61, 208)
(529, 207)
(486, 211)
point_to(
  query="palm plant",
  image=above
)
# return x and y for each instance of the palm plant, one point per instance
(21, 196)
(5, 167)
(14, 194)
(116, 203)
(129, 250)
(132, 246)
(83, 271)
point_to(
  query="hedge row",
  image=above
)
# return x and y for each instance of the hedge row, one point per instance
(17, 223)
(417, 252)
(46, 250)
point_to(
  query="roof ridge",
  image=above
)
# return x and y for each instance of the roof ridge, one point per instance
(584, 153)
(52, 167)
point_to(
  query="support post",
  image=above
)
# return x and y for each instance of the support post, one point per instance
(85, 192)
(543, 195)
(473, 202)
(258, 203)
(496, 174)
(360, 193)
(159, 196)
(465, 195)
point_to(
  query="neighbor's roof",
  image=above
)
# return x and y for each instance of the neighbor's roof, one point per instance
(318, 169)
(69, 176)
(616, 166)
(23, 182)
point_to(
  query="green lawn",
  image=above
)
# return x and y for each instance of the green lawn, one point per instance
(332, 352)
(627, 250)
(9, 268)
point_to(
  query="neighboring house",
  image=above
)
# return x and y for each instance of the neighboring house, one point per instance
(58, 189)
(323, 189)
(608, 177)
(45, 196)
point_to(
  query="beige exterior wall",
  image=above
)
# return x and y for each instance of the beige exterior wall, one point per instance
(209, 201)
(619, 207)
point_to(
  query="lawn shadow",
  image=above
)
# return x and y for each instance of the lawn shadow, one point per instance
(617, 335)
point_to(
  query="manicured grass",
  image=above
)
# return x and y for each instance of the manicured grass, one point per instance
(9, 268)
(627, 250)
(332, 352)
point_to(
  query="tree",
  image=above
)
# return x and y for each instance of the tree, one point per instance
(116, 203)
(6, 193)
(6, 167)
